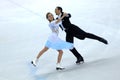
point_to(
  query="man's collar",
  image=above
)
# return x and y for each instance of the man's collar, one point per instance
(59, 15)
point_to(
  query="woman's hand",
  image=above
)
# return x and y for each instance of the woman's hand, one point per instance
(65, 14)
(58, 20)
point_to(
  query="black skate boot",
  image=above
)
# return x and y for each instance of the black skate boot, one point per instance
(80, 60)
(103, 40)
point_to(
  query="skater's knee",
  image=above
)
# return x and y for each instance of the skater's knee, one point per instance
(60, 51)
(45, 48)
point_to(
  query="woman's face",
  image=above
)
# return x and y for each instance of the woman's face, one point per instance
(50, 17)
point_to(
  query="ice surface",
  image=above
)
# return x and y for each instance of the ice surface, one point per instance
(24, 30)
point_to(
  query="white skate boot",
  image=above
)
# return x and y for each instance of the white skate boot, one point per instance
(34, 62)
(59, 67)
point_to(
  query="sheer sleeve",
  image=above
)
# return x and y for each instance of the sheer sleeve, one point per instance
(54, 27)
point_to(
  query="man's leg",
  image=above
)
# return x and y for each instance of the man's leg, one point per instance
(81, 34)
(92, 36)
(70, 38)
(77, 55)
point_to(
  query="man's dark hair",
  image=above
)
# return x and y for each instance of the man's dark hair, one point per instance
(59, 8)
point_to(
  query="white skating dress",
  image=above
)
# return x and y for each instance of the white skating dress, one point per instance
(54, 41)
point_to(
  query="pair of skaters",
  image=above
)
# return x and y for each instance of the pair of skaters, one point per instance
(71, 30)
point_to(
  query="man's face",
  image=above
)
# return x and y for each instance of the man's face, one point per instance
(57, 11)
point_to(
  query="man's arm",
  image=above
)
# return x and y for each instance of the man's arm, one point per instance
(64, 15)
(68, 15)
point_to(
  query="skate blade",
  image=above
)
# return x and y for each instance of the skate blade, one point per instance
(81, 62)
(59, 69)
(33, 64)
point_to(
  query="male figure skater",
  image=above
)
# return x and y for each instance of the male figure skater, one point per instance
(74, 31)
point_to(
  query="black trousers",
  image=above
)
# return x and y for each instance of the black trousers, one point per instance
(74, 31)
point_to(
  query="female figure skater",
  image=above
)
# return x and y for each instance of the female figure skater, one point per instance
(54, 41)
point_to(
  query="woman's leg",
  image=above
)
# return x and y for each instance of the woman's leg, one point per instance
(59, 56)
(59, 67)
(34, 62)
(42, 51)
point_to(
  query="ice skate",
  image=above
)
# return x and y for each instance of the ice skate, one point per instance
(59, 67)
(80, 60)
(34, 62)
(103, 40)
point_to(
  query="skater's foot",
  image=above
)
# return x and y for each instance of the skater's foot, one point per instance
(59, 67)
(80, 60)
(34, 62)
(103, 40)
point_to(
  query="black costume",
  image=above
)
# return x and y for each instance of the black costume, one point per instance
(74, 31)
